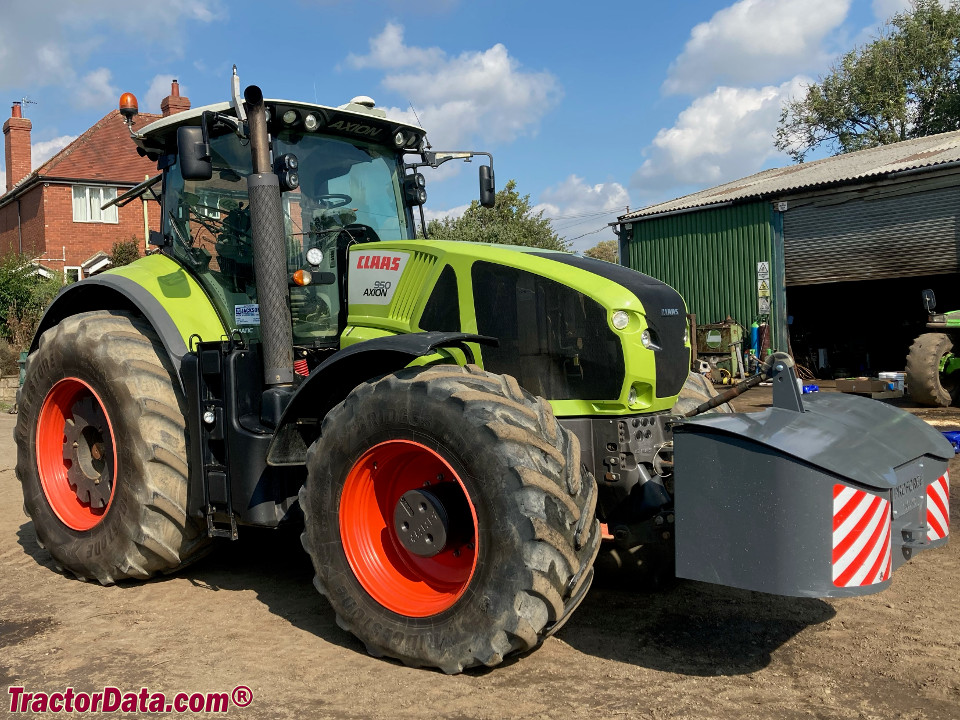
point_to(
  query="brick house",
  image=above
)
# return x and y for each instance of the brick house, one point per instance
(53, 214)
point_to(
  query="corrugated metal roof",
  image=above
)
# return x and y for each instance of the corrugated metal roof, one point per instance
(925, 152)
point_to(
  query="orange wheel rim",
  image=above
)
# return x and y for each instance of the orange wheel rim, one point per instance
(400, 580)
(76, 454)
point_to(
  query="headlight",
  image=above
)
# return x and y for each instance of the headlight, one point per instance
(314, 256)
(648, 340)
(621, 319)
(310, 122)
(289, 117)
(399, 139)
(632, 397)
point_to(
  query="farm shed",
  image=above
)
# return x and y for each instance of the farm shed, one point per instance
(850, 242)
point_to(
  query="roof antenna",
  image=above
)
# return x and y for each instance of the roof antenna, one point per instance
(425, 138)
(236, 96)
(27, 101)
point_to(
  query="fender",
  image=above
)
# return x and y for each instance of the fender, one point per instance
(115, 292)
(330, 383)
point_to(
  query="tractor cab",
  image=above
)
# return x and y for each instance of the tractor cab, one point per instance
(347, 175)
(337, 190)
(346, 191)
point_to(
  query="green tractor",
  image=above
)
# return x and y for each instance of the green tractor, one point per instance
(450, 422)
(932, 375)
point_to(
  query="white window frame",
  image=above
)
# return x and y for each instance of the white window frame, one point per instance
(83, 195)
(66, 274)
(209, 205)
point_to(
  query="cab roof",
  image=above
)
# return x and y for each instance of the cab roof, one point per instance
(352, 119)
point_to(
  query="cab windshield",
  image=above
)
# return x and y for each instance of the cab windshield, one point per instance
(349, 192)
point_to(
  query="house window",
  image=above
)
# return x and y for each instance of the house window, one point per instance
(87, 201)
(72, 274)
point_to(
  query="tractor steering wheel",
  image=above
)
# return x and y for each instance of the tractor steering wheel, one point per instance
(335, 200)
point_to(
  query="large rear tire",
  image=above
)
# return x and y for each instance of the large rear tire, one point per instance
(101, 450)
(927, 385)
(520, 526)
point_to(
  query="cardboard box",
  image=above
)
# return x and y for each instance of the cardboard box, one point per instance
(870, 386)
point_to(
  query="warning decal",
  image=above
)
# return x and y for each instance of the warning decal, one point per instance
(861, 538)
(374, 276)
(938, 508)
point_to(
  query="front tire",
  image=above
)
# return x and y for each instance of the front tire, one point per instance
(101, 450)
(520, 530)
(928, 386)
(696, 390)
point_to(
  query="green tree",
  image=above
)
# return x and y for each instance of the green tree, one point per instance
(511, 221)
(903, 84)
(604, 250)
(125, 252)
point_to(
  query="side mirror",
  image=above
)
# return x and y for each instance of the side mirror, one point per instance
(194, 153)
(929, 300)
(488, 188)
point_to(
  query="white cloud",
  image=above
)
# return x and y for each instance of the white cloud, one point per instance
(95, 90)
(452, 213)
(476, 96)
(3, 182)
(42, 41)
(721, 136)
(388, 52)
(159, 89)
(42, 151)
(579, 212)
(756, 41)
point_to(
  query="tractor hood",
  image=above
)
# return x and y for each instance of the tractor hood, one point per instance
(623, 333)
(663, 307)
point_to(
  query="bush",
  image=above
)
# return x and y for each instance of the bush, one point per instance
(125, 252)
(26, 295)
(8, 359)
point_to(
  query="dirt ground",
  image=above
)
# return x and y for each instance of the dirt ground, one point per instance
(248, 615)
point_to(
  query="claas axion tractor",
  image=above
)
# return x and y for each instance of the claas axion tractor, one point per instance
(454, 420)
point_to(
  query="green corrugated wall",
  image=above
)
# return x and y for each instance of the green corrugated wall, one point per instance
(710, 256)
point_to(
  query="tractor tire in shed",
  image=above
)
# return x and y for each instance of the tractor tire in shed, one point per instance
(101, 450)
(927, 385)
(447, 517)
(696, 390)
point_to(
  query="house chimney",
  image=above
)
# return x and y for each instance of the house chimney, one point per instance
(173, 103)
(16, 142)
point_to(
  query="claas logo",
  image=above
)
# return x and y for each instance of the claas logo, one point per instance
(378, 262)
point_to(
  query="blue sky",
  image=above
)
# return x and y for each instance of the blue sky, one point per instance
(591, 107)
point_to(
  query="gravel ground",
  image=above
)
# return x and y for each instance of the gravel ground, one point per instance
(247, 615)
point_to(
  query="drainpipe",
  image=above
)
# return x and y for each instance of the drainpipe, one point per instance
(146, 221)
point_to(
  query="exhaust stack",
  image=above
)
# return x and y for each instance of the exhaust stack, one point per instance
(270, 263)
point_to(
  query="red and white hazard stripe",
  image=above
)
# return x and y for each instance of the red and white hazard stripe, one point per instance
(938, 508)
(861, 538)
